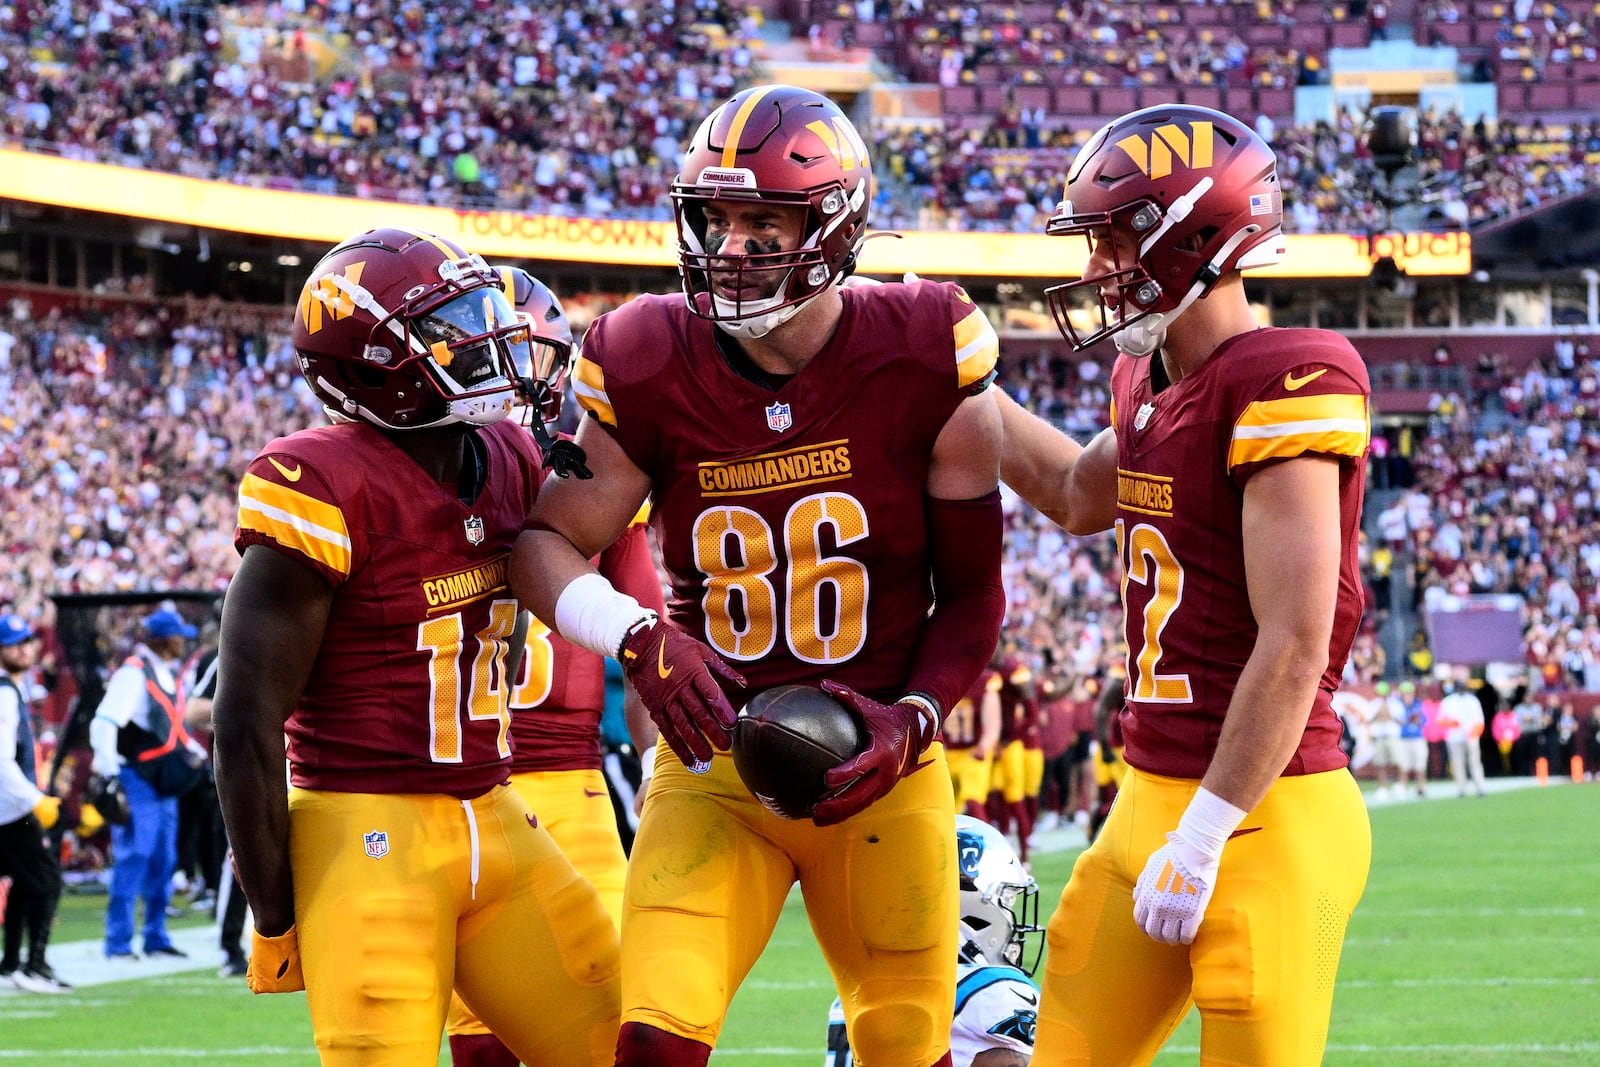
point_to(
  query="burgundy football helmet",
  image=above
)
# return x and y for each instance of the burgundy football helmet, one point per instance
(779, 144)
(405, 331)
(1195, 188)
(550, 341)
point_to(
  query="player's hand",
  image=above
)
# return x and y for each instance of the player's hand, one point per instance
(47, 811)
(677, 679)
(894, 741)
(275, 963)
(1170, 897)
(90, 821)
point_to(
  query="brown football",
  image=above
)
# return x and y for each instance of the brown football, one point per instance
(785, 740)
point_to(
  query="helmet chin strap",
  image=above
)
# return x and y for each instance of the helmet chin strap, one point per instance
(1141, 338)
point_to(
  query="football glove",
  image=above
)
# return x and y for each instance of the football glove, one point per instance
(90, 821)
(275, 963)
(47, 811)
(1171, 895)
(896, 735)
(676, 678)
(107, 796)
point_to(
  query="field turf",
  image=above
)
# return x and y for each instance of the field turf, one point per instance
(1477, 945)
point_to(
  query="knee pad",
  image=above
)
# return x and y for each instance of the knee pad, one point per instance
(889, 1034)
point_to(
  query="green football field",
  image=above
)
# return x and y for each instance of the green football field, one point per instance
(1477, 944)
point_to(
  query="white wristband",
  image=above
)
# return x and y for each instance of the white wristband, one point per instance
(1209, 821)
(593, 615)
(647, 763)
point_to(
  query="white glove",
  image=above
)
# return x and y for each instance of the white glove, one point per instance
(1170, 897)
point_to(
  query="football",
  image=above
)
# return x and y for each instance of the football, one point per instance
(785, 740)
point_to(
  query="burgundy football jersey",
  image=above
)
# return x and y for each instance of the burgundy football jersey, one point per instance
(792, 521)
(1184, 456)
(965, 721)
(1019, 712)
(408, 692)
(558, 699)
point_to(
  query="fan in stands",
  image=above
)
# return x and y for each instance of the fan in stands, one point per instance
(785, 740)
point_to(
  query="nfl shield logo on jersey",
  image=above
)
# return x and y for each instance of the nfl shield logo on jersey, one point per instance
(778, 417)
(1142, 416)
(377, 843)
(474, 530)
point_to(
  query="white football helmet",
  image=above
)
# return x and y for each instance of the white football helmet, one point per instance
(999, 900)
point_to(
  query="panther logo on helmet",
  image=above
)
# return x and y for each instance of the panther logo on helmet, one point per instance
(999, 900)
(408, 331)
(1193, 191)
(777, 144)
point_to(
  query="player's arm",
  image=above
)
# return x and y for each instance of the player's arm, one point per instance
(629, 566)
(273, 622)
(1293, 596)
(573, 521)
(1074, 485)
(965, 527)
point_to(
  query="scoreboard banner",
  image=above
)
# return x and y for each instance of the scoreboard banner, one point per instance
(44, 179)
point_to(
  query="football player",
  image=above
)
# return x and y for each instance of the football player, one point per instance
(1232, 472)
(558, 689)
(971, 731)
(996, 999)
(370, 621)
(1019, 763)
(823, 469)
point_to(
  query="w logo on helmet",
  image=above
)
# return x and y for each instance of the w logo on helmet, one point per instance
(327, 292)
(842, 140)
(1155, 157)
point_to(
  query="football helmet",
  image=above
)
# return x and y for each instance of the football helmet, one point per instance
(783, 145)
(1197, 190)
(406, 331)
(999, 900)
(549, 343)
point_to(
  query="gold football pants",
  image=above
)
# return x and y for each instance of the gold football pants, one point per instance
(708, 877)
(1261, 969)
(399, 897)
(575, 807)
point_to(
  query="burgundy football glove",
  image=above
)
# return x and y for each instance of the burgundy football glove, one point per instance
(676, 678)
(896, 736)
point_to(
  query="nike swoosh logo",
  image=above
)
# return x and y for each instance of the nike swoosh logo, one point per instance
(1246, 830)
(661, 661)
(533, 820)
(1029, 998)
(292, 475)
(1291, 383)
(592, 793)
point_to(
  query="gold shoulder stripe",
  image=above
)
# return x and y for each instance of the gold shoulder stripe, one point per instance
(977, 348)
(1113, 421)
(642, 516)
(1304, 408)
(589, 386)
(310, 526)
(1330, 424)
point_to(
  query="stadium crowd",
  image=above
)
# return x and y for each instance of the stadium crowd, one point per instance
(400, 101)
(123, 429)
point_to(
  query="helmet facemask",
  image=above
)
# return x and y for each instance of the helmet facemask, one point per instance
(999, 900)
(751, 293)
